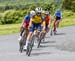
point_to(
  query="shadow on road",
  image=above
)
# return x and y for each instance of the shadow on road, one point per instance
(45, 46)
(60, 34)
(37, 49)
(48, 42)
(41, 53)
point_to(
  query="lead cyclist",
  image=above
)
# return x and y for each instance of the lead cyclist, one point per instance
(35, 22)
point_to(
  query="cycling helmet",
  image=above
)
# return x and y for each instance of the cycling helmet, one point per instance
(47, 12)
(38, 10)
(58, 13)
(32, 12)
(43, 12)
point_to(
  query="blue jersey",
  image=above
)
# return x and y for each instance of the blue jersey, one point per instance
(58, 13)
(27, 18)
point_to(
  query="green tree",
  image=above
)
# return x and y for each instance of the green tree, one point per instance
(69, 4)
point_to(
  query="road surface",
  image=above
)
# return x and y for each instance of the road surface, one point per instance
(60, 47)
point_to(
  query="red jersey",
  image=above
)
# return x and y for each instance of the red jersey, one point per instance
(47, 19)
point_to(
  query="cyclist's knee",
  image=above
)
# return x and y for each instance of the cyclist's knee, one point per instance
(21, 29)
(30, 33)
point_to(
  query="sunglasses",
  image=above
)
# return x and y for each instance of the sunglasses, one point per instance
(39, 13)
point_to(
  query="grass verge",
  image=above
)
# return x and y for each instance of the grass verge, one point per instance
(9, 29)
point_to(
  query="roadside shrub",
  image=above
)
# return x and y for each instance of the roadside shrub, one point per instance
(12, 16)
(67, 13)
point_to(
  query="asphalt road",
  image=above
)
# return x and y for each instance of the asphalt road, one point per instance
(60, 47)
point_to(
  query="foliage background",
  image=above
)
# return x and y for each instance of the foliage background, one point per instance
(12, 12)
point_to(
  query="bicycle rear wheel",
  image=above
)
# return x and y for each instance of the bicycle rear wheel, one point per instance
(40, 39)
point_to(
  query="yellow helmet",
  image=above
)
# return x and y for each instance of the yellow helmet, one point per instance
(43, 12)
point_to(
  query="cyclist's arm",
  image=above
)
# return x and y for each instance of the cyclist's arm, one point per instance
(44, 23)
(30, 23)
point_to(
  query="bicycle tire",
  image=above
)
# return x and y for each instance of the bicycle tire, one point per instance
(21, 47)
(39, 40)
(29, 49)
(30, 46)
(51, 33)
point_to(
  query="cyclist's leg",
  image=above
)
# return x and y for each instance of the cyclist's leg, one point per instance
(58, 19)
(46, 30)
(43, 34)
(31, 30)
(39, 28)
(24, 27)
(21, 32)
(58, 22)
(40, 34)
(55, 23)
(27, 30)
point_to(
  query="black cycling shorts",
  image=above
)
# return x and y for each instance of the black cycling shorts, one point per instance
(58, 18)
(46, 27)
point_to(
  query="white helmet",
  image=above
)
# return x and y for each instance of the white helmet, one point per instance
(32, 12)
(38, 10)
(47, 12)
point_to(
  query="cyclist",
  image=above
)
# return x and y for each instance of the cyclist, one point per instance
(35, 22)
(47, 22)
(58, 18)
(25, 23)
